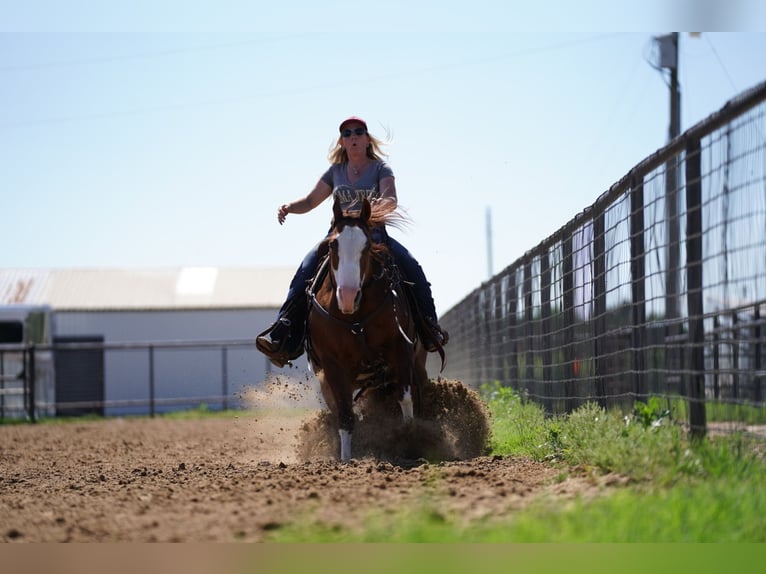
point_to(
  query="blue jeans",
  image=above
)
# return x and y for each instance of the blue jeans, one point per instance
(296, 293)
(411, 270)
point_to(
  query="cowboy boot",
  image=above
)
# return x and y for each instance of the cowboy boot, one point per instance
(436, 337)
(281, 342)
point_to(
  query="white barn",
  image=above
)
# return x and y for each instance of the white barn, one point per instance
(140, 340)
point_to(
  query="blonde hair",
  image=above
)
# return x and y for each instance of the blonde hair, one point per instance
(374, 150)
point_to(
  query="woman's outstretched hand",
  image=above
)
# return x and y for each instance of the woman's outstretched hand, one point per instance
(282, 213)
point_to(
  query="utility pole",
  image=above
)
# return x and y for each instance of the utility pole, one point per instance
(668, 45)
(675, 91)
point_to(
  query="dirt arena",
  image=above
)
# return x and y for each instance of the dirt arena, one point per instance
(242, 479)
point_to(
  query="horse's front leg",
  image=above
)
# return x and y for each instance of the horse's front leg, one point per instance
(405, 361)
(345, 428)
(338, 391)
(406, 404)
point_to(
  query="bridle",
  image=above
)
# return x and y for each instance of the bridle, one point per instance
(358, 325)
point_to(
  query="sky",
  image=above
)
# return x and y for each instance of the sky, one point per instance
(167, 134)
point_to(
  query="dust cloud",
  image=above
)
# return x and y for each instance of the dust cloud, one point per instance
(453, 423)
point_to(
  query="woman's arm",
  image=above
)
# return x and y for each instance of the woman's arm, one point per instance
(388, 190)
(316, 196)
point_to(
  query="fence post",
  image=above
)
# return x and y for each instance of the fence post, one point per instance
(499, 330)
(567, 275)
(31, 382)
(225, 376)
(513, 296)
(735, 335)
(485, 340)
(545, 303)
(529, 362)
(599, 307)
(487, 366)
(697, 419)
(716, 358)
(151, 381)
(638, 288)
(758, 361)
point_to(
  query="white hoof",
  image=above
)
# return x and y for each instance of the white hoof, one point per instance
(345, 445)
(408, 411)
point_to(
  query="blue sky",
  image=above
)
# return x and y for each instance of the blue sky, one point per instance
(128, 140)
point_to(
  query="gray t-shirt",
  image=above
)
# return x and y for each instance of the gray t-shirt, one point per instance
(351, 194)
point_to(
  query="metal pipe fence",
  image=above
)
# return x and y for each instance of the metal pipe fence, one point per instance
(126, 378)
(658, 288)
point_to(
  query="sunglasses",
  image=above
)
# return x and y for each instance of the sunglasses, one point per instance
(355, 131)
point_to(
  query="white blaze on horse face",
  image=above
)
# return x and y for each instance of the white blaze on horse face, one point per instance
(348, 275)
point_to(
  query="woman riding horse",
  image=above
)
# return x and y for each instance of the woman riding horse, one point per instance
(357, 171)
(361, 332)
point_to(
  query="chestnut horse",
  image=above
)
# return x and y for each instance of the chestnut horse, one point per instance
(361, 329)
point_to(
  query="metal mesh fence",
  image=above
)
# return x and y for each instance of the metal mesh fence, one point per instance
(658, 288)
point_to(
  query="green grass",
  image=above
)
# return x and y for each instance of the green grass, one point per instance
(679, 490)
(722, 412)
(718, 511)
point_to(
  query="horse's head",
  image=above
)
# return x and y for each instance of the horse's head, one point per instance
(349, 255)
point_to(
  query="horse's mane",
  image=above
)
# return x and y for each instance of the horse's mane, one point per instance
(388, 213)
(381, 213)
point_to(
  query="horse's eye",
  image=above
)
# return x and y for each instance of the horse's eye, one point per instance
(334, 244)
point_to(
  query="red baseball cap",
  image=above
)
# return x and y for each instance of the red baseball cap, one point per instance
(352, 119)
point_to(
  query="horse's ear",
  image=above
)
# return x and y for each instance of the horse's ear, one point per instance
(337, 213)
(366, 210)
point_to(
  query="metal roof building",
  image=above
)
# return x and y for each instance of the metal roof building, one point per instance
(131, 289)
(125, 341)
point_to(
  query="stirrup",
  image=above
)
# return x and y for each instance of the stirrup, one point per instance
(433, 337)
(436, 336)
(267, 343)
(276, 349)
(280, 357)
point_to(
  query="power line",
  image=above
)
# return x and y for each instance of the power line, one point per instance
(141, 55)
(276, 93)
(720, 61)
